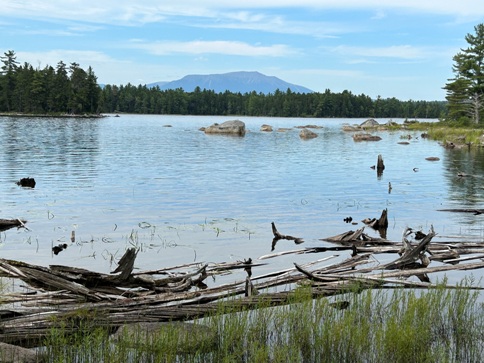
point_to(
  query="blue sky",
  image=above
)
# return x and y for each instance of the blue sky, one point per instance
(393, 48)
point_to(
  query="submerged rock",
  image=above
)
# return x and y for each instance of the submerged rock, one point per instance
(366, 137)
(307, 134)
(309, 127)
(235, 127)
(266, 128)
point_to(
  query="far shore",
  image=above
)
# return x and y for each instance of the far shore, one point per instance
(63, 115)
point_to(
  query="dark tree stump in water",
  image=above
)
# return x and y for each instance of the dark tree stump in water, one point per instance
(380, 166)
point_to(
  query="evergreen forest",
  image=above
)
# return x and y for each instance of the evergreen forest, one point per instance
(69, 89)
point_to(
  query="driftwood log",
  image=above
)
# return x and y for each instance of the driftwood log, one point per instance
(6, 224)
(65, 296)
(457, 210)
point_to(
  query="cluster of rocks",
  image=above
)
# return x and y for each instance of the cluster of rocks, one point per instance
(237, 128)
(370, 124)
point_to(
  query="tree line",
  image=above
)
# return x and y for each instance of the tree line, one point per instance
(71, 89)
(64, 89)
(146, 100)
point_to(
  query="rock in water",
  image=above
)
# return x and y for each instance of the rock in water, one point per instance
(27, 182)
(307, 134)
(235, 128)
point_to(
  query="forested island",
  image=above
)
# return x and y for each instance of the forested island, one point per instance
(69, 89)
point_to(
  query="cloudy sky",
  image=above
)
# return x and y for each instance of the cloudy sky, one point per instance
(394, 48)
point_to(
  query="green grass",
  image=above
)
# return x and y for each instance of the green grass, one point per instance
(448, 132)
(396, 325)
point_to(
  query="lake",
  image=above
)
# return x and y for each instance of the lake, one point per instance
(160, 184)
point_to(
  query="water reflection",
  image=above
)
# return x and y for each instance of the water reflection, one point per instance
(465, 174)
(208, 198)
(62, 147)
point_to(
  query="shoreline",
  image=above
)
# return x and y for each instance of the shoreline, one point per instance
(66, 115)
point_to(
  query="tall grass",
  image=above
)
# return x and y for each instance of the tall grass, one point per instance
(397, 325)
(447, 132)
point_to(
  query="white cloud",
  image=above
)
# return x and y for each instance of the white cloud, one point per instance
(127, 11)
(218, 47)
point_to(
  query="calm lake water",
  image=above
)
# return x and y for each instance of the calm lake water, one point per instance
(160, 184)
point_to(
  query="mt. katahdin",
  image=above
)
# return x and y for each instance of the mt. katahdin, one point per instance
(243, 82)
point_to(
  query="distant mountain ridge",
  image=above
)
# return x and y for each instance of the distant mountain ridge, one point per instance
(243, 82)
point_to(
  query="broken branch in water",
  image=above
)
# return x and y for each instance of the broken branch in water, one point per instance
(278, 236)
(380, 223)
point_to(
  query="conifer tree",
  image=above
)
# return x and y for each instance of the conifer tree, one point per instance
(465, 92)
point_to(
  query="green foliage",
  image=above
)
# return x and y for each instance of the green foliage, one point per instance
(141, 99)
(74, 90)
(71, 89)
(465, 92)
(48, 90)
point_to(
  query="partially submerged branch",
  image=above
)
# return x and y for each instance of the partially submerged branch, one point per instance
(278, 236)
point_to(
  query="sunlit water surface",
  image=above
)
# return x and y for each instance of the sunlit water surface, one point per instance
(160, 184)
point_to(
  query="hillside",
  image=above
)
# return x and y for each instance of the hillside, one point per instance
(243, 82)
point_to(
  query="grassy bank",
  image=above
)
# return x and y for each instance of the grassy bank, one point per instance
(396, 325)
(448, 133)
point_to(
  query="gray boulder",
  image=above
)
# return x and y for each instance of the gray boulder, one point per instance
(235, 128)
(369, 123)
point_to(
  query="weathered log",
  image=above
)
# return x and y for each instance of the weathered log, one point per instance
(357, 238)
(465, 210)
(410, 256)
(126, 264)
(6, 224)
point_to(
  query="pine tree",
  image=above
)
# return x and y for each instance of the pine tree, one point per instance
(465, 92)
(8, 79)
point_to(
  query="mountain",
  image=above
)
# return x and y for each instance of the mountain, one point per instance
(243, 82)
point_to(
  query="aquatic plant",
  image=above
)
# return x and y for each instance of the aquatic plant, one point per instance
(398, 325)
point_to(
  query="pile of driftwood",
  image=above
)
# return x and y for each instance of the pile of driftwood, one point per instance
(65, 295)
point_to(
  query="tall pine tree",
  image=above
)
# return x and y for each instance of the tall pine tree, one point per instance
(8, 79)
(465, 92)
